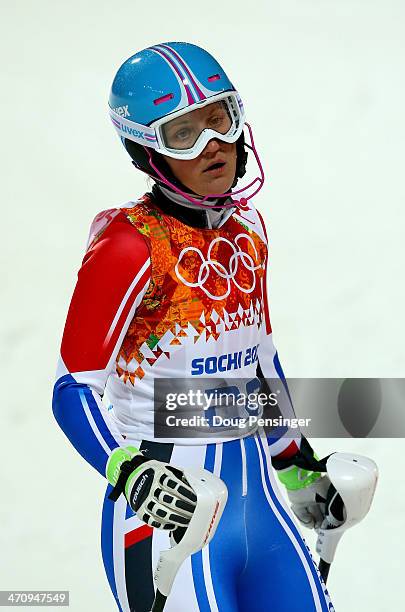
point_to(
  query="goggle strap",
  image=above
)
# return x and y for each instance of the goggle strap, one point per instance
(137, 132)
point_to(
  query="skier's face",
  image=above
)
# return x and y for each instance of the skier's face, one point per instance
(213, 171)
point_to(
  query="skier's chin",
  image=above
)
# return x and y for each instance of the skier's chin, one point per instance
(216, 185)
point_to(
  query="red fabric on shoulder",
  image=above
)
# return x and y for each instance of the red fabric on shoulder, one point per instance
(113, 272)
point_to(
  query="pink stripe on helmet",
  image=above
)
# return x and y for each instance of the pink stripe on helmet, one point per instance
(190, 97)
(163, 99)
(187, 70)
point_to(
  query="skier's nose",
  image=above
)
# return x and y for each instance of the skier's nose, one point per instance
(212, 146)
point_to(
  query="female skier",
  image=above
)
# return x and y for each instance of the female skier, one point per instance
(172, 286)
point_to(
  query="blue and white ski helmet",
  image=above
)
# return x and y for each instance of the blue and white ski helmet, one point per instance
(163, 80)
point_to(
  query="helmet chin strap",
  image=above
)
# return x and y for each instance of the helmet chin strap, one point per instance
(171, 183)
(240, 202)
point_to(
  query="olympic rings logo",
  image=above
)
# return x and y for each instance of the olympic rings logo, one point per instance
(238, 257)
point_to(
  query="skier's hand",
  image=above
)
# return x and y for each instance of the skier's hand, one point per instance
(309, 491)
(308, 503)
(157, 492)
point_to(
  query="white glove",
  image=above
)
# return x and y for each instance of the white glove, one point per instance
(309, 503)
(311, 494)
(157, 492)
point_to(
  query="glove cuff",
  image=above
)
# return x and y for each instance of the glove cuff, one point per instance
(295, 478)
(115, 461)
(120, 465)
(302, 469)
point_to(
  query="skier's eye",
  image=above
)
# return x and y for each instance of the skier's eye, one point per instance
(182, 135)
(220, 122)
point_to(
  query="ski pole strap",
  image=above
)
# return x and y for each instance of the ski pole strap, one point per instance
(305, 458)
(300, 470)
(334, 508)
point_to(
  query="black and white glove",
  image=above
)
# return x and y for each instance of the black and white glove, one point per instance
(157, 492)
(311, 494)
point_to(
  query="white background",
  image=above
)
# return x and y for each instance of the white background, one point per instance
(323, 86)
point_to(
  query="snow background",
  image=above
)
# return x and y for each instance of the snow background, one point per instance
(323, 86)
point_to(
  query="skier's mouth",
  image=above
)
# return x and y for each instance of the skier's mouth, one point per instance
(216, 168)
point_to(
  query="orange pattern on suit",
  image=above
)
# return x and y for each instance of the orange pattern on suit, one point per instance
(185, 288)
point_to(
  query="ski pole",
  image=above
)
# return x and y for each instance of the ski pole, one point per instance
(354, 480)
(212, 495)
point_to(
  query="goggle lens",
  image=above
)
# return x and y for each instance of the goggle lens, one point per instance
(184, 131)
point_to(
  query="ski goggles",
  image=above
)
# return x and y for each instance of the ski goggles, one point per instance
(185, 134)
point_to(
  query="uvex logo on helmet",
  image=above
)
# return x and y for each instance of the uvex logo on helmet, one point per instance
(122, 111)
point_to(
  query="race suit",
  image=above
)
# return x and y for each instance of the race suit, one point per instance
(162, 294)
